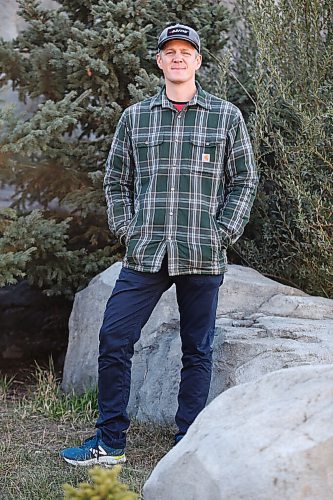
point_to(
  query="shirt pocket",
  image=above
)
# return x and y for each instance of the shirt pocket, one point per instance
(220, 243)
(131, 228)
(207, 153)
(148, 152)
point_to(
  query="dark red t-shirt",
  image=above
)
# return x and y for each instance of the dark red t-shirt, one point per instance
(178, 105)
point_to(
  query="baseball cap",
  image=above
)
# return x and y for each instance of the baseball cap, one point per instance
(179, 32)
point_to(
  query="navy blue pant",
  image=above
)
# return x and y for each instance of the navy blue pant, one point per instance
(128, 309)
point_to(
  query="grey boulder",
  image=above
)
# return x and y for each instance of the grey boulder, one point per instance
(270, 439)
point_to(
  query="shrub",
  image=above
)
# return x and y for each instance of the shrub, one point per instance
(292, 221)
(36, 247)
(105, 486)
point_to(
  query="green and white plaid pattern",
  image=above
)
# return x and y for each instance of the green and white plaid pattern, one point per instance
(182, 182)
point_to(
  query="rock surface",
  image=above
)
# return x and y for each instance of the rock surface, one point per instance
(271, 439)
(261, 326)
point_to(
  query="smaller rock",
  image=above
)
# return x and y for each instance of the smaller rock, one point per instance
(307, 307)
(271, 439)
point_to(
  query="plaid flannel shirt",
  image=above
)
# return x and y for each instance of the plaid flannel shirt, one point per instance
(182, 182)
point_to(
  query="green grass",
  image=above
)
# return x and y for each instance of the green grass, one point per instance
(39, 422)
(5, 385)
(45, 397)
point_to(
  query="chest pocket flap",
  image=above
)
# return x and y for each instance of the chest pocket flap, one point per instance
(208, 140)
(148, 152)
(146, 142)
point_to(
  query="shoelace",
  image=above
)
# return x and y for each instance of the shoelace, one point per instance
(94, 448)
(95, 451)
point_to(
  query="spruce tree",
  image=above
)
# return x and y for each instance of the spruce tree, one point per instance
(87, 61)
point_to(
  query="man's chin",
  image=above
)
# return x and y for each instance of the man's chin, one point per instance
(178, 80)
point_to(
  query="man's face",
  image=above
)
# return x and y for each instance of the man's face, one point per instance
(179, 61)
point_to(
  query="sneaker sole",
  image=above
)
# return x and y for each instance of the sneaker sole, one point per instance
(102, 461)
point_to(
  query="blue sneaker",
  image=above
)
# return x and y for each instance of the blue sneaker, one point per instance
(93, 451)
(178, 437)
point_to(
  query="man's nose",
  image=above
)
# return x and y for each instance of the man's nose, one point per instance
(178, 57)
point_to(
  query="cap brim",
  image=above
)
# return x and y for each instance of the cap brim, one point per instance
(179, 37)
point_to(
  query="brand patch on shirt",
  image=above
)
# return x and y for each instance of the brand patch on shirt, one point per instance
(178, 31)
(205, 157)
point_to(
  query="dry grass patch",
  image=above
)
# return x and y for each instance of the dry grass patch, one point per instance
(30, 466)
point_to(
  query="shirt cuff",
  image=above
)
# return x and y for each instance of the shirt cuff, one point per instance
(121, 234)
(225, 239)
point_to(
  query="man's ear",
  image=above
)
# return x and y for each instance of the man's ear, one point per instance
(199, 61)
(158, 60)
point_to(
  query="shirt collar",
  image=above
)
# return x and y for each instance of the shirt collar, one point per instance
(200, 98)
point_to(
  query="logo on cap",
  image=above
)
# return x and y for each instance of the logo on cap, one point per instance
(177, 31)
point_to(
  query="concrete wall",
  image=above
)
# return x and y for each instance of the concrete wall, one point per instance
(11, 24)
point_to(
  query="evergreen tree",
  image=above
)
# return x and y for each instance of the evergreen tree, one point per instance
(87, 61)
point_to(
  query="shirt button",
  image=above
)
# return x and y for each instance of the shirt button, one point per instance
(172, 189)
(169, 238)
(171, 213)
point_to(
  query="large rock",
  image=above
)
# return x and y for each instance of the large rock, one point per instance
(271, 439)
(261, 326)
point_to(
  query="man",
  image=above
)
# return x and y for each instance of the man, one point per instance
(180, 182)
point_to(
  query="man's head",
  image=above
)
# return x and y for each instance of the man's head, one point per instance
(179, 32)
(179, 53)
